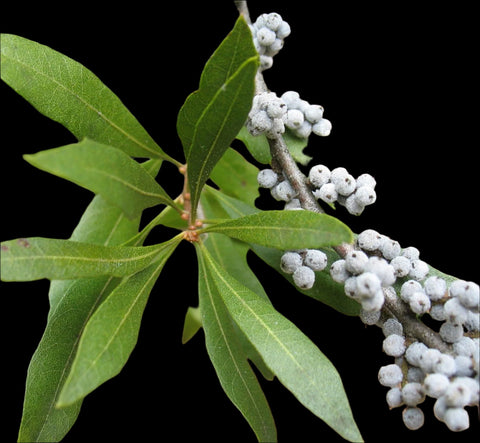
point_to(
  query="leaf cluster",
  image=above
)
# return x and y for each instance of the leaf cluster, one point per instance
(102, 276)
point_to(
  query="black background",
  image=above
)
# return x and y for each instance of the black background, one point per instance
(396, 81)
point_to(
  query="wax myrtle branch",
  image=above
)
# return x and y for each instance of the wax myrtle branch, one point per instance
(441, 365)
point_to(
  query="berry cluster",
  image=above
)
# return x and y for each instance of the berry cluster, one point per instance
(269, 32)
(270, 115)
(419, 371)
(340, 186)
(267, 115)
(303, 264)
(368, 273)
(304, 118)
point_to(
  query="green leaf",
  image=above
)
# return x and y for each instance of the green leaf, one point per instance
(296, 146)
(297, 362)
(286, 229)
(106, 171)
(67, 92)
(226, 353)
(212, 116)
(27, 259)
(71, 304)
(192, 324)
(235, 49)
(112, 331)
(236, 177)
(257, 146)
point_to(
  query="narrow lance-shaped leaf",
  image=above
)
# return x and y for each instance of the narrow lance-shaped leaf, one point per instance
(72, 302)
(112, 331)
(286, 229)
(227, 355)
(27, 259)
(234, 50)
(106, 171)
(67, 92)
(293, 358)
(212, 116)
(218, 125)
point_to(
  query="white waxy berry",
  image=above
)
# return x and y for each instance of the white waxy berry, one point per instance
(275, 47)
(445, 365)
(428, 360)
(413, 418)
(457, 419)
(267, 178)
(436, 385)
(390, 248)
(322, 128)
(276, 108)
(369, 317)
(355, 261)
(304, 130)
(266, 36)
(451, 332)
(266, 62)
(419, 270)
(327, 193)
(352, 205)
(435, 287)
(366, 180)
(414, 352)
(273, 21)
(319, 175)
(304, 277)
(390, 375)
(315, 259)
(394, 398)
(294, 118)
(350, 287)
(455, 312)
(293, 205)
(394, 345)
(413, 394)
(467, 292)
(401, 265)
(283, 191)
(314, 113)
(419, 303)
(365, 195)
(465, 346)
(368, 284)
(291, 99)
(383, 269)
(283, 30)
(290, 261)
(338, 271)
(458, 393)
(411, 252)
(260, 122)
(392, 326)
(463, 366)
(374, 303)
(408, 289)
(344, 182)
(369, 240)
(437, 312)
